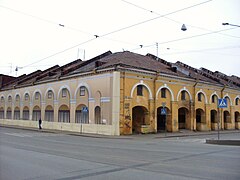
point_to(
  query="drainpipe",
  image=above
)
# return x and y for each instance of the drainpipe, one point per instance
(221, 110)
(193, 104)
(154, 103)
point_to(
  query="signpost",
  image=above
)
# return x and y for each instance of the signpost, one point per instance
(84, 116)
(164, 113)
(222, 103)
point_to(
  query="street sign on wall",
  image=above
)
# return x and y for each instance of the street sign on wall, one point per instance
(222, 103)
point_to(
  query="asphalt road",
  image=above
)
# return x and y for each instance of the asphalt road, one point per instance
(36, 155)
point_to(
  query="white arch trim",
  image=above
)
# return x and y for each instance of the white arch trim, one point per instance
(86, 86)
(26, 92)
(16, 96)
(68, 88)
(237, 97)
(215, 93)
(165, 86)
(46, 92)
(34, 92)
(142, 83)
(226, 95)
(184, 89)
(205, 96)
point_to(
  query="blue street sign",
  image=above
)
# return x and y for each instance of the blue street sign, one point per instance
(85, 109)
(222, 103)
(163, 111)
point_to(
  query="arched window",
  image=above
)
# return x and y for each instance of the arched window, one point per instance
(237, 102)
(82, 91)
(26, 97)
(199, 97)
(9, 98)
(140, 90)
(64, 114)
(163, 93)
(183, 95)
(25, 113)
(98, 115)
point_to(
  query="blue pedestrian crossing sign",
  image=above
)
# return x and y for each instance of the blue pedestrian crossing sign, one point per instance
(163, 111)
(222, 103)
(84, 109)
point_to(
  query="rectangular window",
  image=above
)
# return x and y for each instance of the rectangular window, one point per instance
(199, 97)
(183, 95)
(82, 91)
(64, 93)
(163, 93)
(139, 90)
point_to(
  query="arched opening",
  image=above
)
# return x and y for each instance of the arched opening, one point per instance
(9, 113)
(25, 113)
(36, 113)
(1, 113)
(226, 118)
(214, 99)
(97, 113)
(16, 113)
(81, 114)
(49, 114)
(237, 120)
(200, 119)
(140, 116)
(163, 118)
(64, 114)
(183, 118)
(214, 120)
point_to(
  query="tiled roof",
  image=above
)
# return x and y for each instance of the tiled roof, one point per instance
(127, 60)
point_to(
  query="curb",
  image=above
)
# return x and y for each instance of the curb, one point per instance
(224, 142)
(155, 136)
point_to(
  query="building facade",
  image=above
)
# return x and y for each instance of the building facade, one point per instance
(121, 93)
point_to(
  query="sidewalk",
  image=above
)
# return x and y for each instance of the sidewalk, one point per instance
(181, 133)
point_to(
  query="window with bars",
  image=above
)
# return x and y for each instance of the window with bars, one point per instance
(25, 114)
(49, 115)
(64, 116)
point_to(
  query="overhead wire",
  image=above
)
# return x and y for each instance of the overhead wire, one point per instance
(111, 32)
(189, 25)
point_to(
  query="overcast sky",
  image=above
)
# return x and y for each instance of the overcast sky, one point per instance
(31, 37)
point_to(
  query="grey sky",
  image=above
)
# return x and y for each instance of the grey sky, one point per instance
(30, 32)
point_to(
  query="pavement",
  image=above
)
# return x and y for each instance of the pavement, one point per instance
(163, 134)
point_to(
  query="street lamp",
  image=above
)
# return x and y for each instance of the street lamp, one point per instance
(228, 24)
(183, 28)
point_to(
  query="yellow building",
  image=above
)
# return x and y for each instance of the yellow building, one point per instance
(121, 93)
